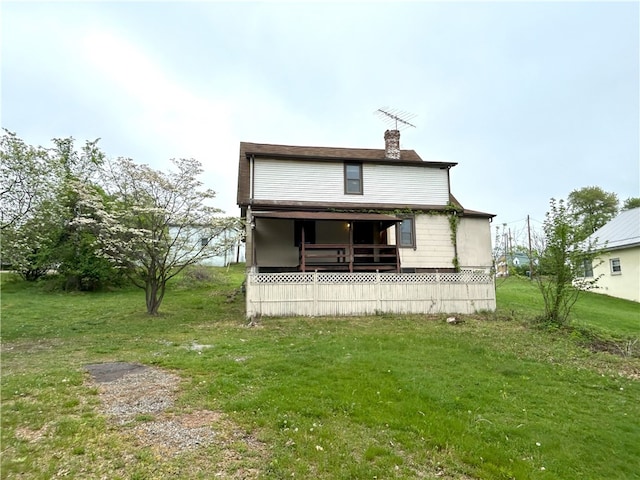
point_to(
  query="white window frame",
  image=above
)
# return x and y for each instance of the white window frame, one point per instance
(616, 266)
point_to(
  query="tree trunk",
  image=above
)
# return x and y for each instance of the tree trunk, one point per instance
(154, 294)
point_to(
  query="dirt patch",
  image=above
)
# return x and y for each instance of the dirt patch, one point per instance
(136, 397)
(29, 346)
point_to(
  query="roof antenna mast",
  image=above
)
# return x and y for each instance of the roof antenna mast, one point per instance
(393, 117)
(392, 137)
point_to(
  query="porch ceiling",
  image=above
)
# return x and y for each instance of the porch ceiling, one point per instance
(348, 216)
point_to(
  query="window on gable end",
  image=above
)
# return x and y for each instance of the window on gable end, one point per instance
(353, 179)
(616, 268)
(407, 233)
(588, 267)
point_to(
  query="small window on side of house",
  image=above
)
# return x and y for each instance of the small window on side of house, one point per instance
(616, 268)
(406, 233)
(353, 179)
(588, 268)
(204, 241)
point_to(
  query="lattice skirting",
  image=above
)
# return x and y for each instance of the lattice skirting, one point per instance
(341, 277)
(337, 294)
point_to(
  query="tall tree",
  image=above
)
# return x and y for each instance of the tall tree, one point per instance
(39, 203)
(631, 202)
(154, 224)
(78, 260)
(27, 179)
(563, 260)
(591, 208)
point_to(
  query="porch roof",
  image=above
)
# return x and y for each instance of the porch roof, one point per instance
(348, 216)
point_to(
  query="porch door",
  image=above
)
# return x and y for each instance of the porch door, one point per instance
(364, 233)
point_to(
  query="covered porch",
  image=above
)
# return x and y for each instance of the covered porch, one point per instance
(286, 241)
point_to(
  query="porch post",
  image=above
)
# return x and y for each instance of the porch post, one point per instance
(351, 247)
(251, 238)
(302, 250)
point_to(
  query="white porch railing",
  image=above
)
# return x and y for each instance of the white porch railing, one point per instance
(341, 294)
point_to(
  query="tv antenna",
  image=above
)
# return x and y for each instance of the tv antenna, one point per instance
(394, 116)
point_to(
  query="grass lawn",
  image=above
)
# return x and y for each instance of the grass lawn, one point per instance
(603, 313)
(346, 398)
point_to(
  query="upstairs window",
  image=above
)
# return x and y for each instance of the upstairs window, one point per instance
(616, 268)
(406, 233)
(353, 178)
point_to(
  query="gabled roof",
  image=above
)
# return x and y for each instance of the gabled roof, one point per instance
(621, 232)
(324, 154)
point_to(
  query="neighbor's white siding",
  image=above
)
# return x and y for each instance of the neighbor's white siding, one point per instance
(310, 181)
(625, 284)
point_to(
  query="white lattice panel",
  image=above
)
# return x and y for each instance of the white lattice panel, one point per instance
(346, 277)
(292, 277)
(386, 278)
(408, 278)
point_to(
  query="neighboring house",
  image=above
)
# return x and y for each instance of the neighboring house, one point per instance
(352, 231)
(513, 260)
(215, 246)
(618, 268)
(232, 251)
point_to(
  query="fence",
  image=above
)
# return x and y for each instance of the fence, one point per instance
(341, 294)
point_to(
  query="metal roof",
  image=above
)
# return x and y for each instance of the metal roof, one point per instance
(621, 232)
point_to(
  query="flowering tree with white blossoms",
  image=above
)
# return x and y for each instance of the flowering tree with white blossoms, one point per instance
(37, 205)
(154, 224)
(27, 179)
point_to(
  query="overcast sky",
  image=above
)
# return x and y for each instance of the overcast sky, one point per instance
(532, 100)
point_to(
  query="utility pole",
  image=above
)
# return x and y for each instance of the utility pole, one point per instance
(505, 240)
(530, 252)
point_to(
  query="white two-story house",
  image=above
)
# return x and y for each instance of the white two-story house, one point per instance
(352, 231)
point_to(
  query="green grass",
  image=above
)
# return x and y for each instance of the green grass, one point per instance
(612, 315)
(372, 397)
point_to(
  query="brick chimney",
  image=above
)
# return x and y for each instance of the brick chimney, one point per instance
(392, 144)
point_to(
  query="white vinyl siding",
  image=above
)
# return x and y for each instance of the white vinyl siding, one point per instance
(433, 244)
(308, 181)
